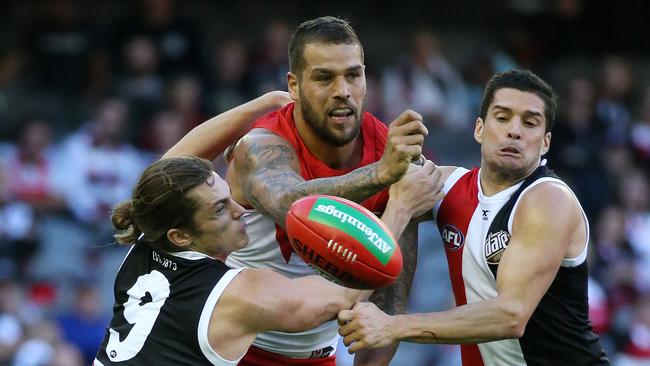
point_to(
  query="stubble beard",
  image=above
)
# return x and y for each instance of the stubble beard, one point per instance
(319, 126)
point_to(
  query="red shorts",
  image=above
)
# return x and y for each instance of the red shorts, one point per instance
(259, 357)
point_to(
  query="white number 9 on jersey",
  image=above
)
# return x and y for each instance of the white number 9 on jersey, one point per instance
(146, 298)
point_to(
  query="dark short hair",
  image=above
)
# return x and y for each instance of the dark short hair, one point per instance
(523, 80)
(328, 30)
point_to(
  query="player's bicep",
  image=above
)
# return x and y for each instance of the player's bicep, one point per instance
(541, 234)
(245, 305)
(275, 302)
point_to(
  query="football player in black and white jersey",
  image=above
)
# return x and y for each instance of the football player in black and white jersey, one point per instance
(516, 240)
(176, 302)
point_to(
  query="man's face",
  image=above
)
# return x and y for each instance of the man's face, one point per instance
(513, 136)
(219, 226)
(331, 91)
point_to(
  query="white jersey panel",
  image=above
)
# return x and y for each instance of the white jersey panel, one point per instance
(263, 250)
(204, 321)
(478, 279)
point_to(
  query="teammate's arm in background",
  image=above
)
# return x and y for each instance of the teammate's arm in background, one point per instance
(267, 169)
(212, 137)
(519, 288)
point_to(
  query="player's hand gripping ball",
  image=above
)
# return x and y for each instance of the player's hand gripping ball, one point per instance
(344, 242)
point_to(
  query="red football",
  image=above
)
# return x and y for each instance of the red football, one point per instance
(344, 242)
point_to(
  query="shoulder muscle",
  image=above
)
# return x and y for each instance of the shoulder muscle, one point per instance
(262, 148)
(547, 210)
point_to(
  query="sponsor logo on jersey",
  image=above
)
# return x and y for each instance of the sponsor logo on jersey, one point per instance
(356, 224)
(495, 244)
(452, 237)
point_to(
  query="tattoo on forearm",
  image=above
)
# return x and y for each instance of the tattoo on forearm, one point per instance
(271, 184)
(394, 298)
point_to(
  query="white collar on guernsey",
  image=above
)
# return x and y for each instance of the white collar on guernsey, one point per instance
(189, 255)
(506, 193)
(503, 195)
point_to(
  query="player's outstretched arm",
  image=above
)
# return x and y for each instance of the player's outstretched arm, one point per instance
(520, 288)
(295, 305)
(259, 300)
(212, 137)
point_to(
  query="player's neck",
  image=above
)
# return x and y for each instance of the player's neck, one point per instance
(494, 181)
(336, 157)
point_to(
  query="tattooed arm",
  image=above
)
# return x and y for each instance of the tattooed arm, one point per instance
(266, 172)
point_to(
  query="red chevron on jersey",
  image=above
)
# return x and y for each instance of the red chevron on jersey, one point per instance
(453, 218)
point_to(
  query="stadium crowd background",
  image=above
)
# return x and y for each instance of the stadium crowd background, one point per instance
(91, 92)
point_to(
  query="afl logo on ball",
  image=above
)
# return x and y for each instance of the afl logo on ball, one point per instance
(452, 237)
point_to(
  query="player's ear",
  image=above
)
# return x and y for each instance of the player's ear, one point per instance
(478, 130)
(179, 238)
(294, 86)
(546, 144)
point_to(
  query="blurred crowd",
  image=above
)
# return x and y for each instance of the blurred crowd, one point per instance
(84, 110)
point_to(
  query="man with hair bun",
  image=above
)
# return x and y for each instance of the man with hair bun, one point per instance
(176, 302)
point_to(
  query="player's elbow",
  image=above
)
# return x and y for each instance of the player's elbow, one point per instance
(514, 322)
(516, 329)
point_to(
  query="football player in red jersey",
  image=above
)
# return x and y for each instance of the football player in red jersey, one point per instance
(176, 302)
(321, 143)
